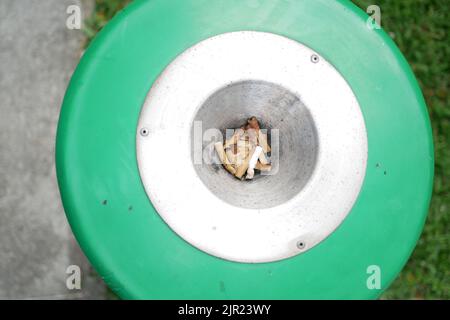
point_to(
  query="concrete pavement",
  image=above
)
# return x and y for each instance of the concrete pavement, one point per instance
(37, 57)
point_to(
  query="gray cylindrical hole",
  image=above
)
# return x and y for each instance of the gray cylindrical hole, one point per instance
(276, 108)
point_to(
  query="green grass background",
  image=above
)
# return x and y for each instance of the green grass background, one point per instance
(420, 28)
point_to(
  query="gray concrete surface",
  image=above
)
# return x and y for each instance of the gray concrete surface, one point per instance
(37, 57)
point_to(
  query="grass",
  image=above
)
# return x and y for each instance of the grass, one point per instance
(421, 30)
(104, 11)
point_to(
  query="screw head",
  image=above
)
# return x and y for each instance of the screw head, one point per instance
(315, 58)
(144, 132)
(301, 245)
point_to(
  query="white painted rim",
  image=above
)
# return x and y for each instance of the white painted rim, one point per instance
(189, 207)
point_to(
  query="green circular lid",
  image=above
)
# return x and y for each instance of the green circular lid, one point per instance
(129, 243)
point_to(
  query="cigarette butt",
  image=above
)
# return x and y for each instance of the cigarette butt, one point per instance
(243, 148)
(263, 158)
(253, 137)
(234, 138)
(250, 174)
(230, 142)
(262, 139)
(223, 158)
(232, 157)
(240, 171)
(263, 167)
(255, 157)
(253, 123)
(241, 143)
(251, 158)
(252, 163)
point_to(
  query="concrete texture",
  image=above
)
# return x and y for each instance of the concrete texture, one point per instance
(37, 57)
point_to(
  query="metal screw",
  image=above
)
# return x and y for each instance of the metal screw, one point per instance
(301, 245)
(144, 132)
(315, 58)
